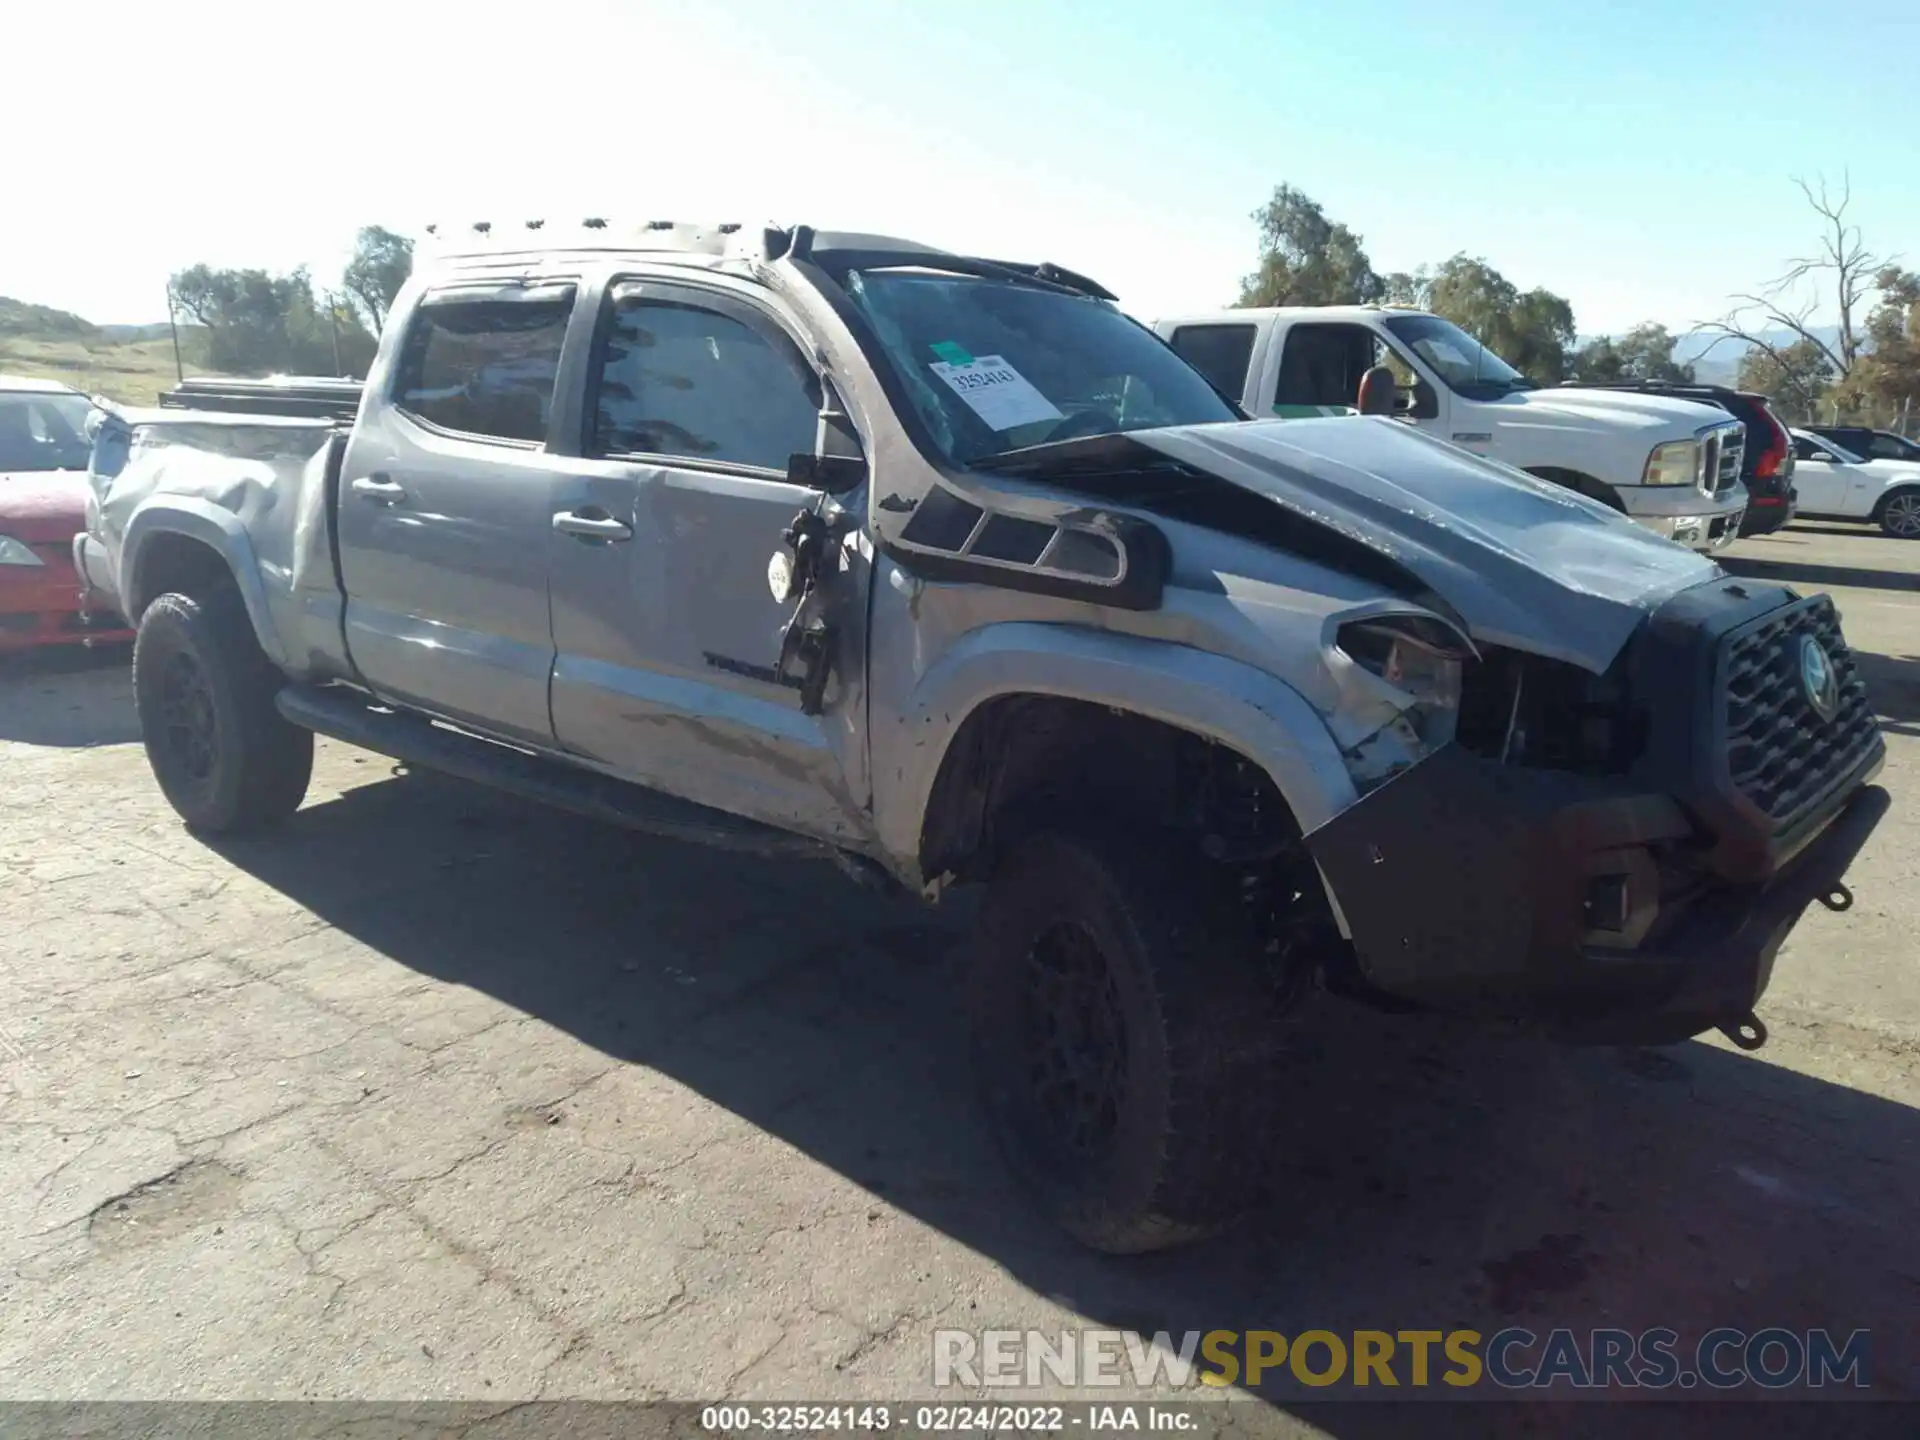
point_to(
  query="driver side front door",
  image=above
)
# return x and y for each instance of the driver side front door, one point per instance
(667, 631)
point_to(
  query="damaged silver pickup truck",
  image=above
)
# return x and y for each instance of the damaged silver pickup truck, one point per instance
(946, 571)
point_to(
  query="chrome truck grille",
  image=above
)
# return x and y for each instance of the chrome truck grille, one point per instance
(1783, 754)
(1723, 451)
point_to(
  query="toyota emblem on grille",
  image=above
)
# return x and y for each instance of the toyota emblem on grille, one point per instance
(1817, 678)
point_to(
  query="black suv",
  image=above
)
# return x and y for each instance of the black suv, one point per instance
(1868, 444)
(1767, 468)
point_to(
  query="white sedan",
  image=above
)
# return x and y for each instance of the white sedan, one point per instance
(1835, 484)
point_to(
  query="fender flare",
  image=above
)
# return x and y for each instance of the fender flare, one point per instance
(1247, 710)
(220, 531)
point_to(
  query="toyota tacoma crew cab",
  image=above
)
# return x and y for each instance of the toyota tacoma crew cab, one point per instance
(944, 570)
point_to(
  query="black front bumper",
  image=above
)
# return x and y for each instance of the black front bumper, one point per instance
(1467, 886)
(1718, 962)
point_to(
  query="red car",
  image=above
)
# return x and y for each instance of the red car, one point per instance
(43, 505)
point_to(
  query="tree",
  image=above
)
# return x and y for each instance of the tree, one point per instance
(1793, 375)
(1307, 259)
(1886, 380)
(1837, 275)
(1406, 287)
(1643, 353)
(381, 263)
(1533, 332)
(259, 323)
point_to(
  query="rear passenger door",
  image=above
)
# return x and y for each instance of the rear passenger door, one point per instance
(668, 634)
(444, 510)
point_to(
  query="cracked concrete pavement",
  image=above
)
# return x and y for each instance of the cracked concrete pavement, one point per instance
(433, 1094)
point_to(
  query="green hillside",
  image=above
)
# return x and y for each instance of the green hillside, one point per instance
(132, 364)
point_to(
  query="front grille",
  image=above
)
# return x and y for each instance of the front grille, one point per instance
(1726, 451)
(1781, 756)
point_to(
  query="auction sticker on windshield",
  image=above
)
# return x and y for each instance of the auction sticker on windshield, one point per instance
(996, 392)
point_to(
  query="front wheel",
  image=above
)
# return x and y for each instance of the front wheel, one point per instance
(1124, 1038)
(224, 756)
(1900, 515)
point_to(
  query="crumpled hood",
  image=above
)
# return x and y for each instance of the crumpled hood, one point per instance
(43, 507)
(1565, 406)
(1524, 562)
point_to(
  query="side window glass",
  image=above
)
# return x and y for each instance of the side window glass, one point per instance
(1219, 352)
(679, 379)
(1385, 354)
(1320, 368)
(1884, 447)
(1806, 450)
(485, 366)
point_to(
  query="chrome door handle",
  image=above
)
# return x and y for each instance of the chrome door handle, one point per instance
(591, 527)
(380, 489)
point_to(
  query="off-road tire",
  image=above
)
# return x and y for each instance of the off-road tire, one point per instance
(1195, 1106)
(225, 758)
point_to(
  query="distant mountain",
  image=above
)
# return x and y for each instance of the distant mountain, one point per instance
(18, 317)
(132, 334)
(1716, 358)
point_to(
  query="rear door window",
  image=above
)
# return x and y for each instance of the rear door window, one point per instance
(483, 363)
(1219, 352)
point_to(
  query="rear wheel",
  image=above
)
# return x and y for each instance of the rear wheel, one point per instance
(224, 756)
(1125, 1043)
(1900, 515)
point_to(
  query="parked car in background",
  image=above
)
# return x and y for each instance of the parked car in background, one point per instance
(1766, 469)
(43, 506)
(1672, 464)
(1870, 444)
(1836, 484)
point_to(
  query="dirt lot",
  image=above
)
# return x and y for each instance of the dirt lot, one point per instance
(433, 1094)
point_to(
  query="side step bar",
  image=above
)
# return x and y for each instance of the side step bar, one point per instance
(347, 715)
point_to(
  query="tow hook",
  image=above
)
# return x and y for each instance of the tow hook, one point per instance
(1747, 1032)
(1839, 897)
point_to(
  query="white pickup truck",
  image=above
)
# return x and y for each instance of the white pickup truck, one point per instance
(1673, 465)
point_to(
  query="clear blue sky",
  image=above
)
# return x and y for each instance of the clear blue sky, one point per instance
(1635, 157)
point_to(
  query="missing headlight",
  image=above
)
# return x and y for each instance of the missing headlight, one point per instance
(1546, 714)
(1420, 657)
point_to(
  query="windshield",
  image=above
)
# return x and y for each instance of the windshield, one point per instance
(994, 366)
(1467, 366)
(43, 431)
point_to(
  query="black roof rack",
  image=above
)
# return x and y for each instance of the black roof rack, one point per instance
(865, 254)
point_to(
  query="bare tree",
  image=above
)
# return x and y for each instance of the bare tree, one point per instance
(1840, 273)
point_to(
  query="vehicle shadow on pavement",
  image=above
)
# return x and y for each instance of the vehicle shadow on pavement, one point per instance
(1893, 686)
(1437, 1175)
(1801, 572)
(71, 695)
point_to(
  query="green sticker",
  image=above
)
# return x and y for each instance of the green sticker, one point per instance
(950, 352)
(1311, 412)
